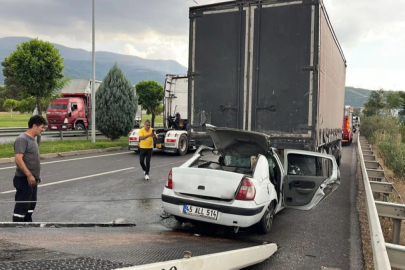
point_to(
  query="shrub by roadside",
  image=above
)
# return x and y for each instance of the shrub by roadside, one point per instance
(385, 133)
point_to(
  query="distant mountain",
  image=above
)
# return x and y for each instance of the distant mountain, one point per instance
(78, 66)
(78, 63)
(356, 97)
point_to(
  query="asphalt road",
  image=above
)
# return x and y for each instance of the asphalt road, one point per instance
(327, 236)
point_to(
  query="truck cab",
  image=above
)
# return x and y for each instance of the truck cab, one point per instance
(67, 114)
(72, 110)
(347, 128)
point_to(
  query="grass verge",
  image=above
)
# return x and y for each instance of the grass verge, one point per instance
(17, 120)
(7, 149)
(21, 120)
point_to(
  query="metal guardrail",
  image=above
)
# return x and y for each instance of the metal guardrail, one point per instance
(12, 129)
(10, 132)
(385, 255)
(16, 131)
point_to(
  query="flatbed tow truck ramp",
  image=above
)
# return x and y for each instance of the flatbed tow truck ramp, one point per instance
(149, 247)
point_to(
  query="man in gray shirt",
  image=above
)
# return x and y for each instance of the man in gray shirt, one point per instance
(28, 170)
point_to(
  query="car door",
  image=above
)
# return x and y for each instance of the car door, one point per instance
(308, 178)
(261, 174)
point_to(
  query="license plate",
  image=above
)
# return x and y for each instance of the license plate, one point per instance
(170, 144)
(53, 127)
(200, 212)
(133, 143)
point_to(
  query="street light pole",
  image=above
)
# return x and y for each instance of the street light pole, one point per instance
(93, 94)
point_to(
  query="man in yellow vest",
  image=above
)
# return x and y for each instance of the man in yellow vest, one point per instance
(146, 135)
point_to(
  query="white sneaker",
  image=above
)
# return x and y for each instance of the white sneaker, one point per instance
(146, 177)
(144, 173)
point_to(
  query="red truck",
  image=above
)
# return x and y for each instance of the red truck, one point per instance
(73, 109)
(347, 128)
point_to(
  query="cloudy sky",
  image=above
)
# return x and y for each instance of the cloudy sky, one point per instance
(371, 32)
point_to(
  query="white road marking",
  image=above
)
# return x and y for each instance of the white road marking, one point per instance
(75, 179)
(72, 159)
(94, 175)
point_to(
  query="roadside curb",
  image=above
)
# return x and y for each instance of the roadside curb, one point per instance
(6, 160)
(69, 154)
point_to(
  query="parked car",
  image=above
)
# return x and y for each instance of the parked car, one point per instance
(133, 140)
(244, 182)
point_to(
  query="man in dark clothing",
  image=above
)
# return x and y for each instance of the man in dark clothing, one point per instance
(28, 170)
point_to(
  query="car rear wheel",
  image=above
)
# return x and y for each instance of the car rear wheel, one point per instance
(266, 223)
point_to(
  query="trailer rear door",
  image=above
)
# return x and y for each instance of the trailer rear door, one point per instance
(216, 51)
(282, 92)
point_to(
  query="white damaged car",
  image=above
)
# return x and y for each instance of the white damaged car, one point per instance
(244, 182)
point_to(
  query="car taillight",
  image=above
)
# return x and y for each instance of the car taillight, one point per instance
(247, 190)
(170, 140)
(133, 138)
(169, 183)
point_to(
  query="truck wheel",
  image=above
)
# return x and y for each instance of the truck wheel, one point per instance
(266, 223)
(183, 145)
(79, 126)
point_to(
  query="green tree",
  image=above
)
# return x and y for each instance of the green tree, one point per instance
(393, 101)
(9, 105)
(150, 95)
(27, 105)
(115, 105)
(35, 68)
(159, 109)
(1, 104)
(136, 98)
(375, 103)
(402, 111)
(12, 88)
(2, 99)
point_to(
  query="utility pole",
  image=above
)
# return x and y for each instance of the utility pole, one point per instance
(93, 83)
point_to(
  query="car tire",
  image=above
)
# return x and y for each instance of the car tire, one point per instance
(183, 145)
(266, 223)
(79, 126)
